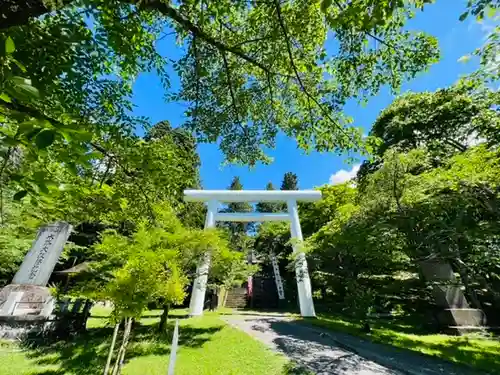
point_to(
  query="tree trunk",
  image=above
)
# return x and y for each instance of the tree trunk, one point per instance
(322, 289)
(121, 353)
(122, 358)
(163, 319)
(111, 348)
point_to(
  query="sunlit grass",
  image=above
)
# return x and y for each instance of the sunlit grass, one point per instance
(207, 345)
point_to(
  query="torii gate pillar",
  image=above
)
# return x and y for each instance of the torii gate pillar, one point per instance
(213, 197)
(200, 281)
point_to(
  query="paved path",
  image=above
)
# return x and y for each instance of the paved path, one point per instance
(336, 353)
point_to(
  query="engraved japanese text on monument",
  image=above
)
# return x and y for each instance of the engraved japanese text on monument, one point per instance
(43, 255)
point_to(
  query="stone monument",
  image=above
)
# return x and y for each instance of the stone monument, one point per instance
(455, 315)
(26, 303)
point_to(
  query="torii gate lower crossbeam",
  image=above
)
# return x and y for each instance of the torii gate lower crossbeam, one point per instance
(214, 197)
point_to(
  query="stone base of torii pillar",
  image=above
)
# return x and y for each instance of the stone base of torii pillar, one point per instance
(213, 197)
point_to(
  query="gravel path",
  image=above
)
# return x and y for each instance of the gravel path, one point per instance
(306, 347)
(340, 354)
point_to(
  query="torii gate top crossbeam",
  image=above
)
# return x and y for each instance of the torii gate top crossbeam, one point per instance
(252, 195)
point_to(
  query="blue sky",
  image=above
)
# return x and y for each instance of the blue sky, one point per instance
(440, 19)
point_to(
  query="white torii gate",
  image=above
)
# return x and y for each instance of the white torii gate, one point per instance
(214, 197)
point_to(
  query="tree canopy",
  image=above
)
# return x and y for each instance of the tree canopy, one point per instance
(250, 69)
(268, 206)
(452, 118)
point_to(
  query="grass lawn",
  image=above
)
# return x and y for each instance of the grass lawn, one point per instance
(207, 346)
(471, 350)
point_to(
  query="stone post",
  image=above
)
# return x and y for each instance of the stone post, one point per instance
(455, 315)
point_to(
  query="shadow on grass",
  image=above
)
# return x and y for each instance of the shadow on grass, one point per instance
(86, 353)
(156, 316)
(249, 313)
(260, 312)
(478, 353)
(409, 334)
(416, 324)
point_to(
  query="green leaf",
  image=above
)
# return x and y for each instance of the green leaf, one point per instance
(26, 127)
(45, 138)
(21, 87)
(72, 168)
(66, 136)
(20, 195)
(43, 188)
(464, 59)
(9, 46)
(463, 16)
(19, 65)
(33, 133)
(10, 141)
(325, 4)
(16, 177)
(39, 176)
(92, 156)
(27, 90)
(5, 97)
(51, 183)
(491, 12)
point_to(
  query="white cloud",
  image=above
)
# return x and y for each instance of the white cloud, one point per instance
(343, 175)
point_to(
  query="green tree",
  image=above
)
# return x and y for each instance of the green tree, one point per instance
(268, 206)
(290, 182)
(314, 216)
(154, 263)
(238, 231)
(273, 239)
(238, 206)
(444, 212)
(446, 120)
(117, 192)
(485, 11)
(17, 233)
(347, 241)
(249, 69)
(159, 130)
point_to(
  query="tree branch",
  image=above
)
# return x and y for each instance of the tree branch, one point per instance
(188, 25)
(456, 145)
(37, 114)
(270, 86)
(297, 75)
(197, 75)
(378, 39)
(165, 35)
(13, 14)
(251, 41)
(17, 12)
(129, 174)
(4, 165)
(231, 91)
